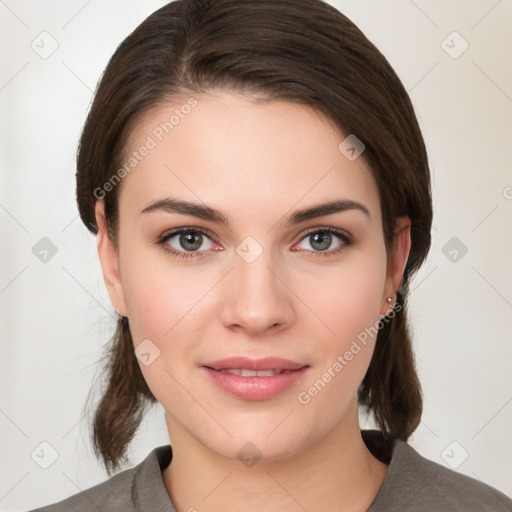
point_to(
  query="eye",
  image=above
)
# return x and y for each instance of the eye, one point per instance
(195, 242)
(187, 242)
(321, 239)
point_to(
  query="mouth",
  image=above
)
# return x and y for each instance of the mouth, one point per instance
(243, 372)
(246, 364)
(255, 379)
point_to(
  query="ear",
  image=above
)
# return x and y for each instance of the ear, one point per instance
(397, 261)
(109, 261)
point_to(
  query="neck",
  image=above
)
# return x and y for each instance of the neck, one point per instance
(338, 471)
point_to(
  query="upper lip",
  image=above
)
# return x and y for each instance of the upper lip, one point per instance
(266, 363)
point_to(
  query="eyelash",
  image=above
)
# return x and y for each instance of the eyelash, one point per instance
(161, 242)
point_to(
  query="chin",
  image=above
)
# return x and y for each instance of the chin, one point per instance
(256, 451)
(264, 445)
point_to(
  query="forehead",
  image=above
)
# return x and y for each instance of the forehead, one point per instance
(228, 151)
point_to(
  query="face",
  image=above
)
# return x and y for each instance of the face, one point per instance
(219, 258)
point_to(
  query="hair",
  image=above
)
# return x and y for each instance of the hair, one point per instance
(303, 51)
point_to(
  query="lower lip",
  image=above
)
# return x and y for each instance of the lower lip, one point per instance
(256, 388)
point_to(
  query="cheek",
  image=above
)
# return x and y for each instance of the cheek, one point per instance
(348, 305)
(160, 297)
(349, 299)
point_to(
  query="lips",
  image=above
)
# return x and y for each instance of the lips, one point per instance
(255, 379)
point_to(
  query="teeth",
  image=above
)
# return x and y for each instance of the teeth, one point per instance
(251, 373)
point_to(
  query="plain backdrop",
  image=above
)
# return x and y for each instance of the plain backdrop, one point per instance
(453, 57)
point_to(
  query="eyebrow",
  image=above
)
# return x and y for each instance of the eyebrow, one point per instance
(207, 213)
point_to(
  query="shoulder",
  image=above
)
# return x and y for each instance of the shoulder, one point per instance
(441, 486)
(118, 493)
(113, 494)
(416, 484)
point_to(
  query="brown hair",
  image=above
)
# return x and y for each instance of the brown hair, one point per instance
(304, 51)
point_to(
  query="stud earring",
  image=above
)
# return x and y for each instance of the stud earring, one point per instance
(390, 302)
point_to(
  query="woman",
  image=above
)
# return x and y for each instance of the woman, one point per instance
(259, 186)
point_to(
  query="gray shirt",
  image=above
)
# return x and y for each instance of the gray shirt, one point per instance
(412, 483)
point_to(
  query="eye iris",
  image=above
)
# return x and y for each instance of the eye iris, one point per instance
(321, 238)
(193, 238)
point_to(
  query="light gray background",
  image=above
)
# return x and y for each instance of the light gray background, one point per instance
(56, 316)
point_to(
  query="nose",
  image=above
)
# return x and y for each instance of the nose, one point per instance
(256, 297)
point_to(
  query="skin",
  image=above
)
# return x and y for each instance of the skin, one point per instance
(257, 163)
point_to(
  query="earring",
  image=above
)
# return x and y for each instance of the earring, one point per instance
(390, 302)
